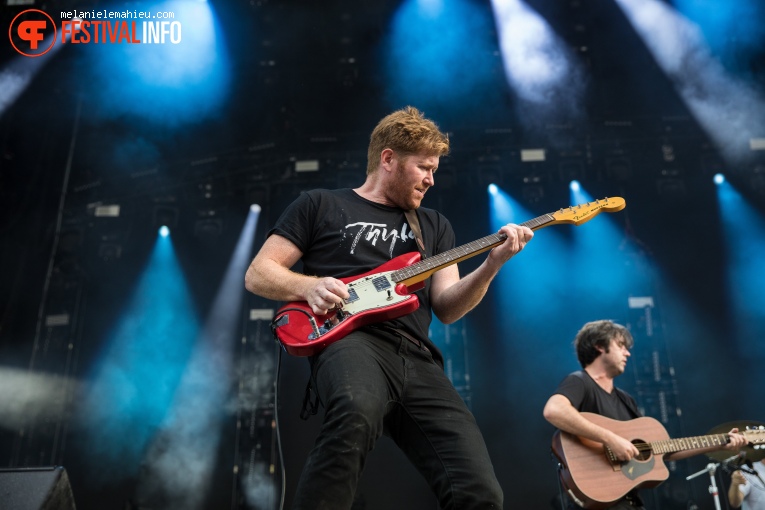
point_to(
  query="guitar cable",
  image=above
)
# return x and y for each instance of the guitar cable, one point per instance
(282, 469)
(561, 488)
(275, 323)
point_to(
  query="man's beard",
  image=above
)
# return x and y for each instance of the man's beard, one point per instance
(403, 194)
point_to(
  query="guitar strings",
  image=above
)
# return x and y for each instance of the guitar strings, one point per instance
(457, 252)
(678, 443)
(447, 256)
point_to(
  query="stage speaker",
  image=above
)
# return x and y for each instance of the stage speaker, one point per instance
(44, 488)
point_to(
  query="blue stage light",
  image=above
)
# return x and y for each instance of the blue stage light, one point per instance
(455, 34)
(744, 241)
(578, 195)
(718, 20)
(715, 97)
(191, 432)
(179, 73)
(164, 231)
(134, 379)
(539, 66)
(719, 179)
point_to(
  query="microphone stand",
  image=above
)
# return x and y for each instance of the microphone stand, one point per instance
(712, 469)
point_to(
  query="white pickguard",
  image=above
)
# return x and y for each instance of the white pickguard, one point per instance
(372, 292)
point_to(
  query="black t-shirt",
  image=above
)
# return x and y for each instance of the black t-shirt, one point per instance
(342, 234)
(586, 396)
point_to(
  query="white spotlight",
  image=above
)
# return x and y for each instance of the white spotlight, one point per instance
(575, 186)
(719, 179)
(255, 208)
(493, 189)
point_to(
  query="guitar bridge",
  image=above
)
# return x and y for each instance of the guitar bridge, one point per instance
(615, 464)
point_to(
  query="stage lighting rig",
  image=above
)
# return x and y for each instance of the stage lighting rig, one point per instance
(670, 184)
(757, 180)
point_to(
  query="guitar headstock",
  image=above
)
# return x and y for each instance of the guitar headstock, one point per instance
(582, 213)
(755, 435)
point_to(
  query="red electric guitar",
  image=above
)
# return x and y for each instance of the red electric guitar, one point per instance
(387, 292)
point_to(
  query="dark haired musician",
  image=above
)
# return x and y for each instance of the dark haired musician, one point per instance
(603, 348)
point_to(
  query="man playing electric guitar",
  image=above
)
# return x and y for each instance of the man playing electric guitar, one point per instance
(603, 348)
(384, 378)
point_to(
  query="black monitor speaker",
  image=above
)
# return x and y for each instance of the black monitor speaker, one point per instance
(45, 488)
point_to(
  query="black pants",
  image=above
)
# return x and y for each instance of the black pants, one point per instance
(379, 383)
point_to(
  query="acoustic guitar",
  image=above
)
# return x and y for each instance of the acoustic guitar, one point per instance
(595, 479)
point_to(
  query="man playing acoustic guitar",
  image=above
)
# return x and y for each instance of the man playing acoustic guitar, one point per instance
(603, 348)
(386, 378)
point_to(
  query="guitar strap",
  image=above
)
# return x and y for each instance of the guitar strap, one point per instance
(629, 404)
(414, 224)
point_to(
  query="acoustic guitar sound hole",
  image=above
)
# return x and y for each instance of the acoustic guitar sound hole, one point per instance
(645, 453)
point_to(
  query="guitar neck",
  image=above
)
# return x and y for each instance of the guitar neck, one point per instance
(422, 270)
(689, 443)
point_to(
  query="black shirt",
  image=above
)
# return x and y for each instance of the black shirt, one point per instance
(342, 234)
(587, 396)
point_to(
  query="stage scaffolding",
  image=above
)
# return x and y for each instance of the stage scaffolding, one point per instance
(656, 392)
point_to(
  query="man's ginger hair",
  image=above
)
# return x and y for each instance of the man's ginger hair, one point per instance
(406, 132)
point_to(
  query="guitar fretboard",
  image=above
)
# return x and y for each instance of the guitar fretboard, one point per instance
(463, 252)
(688, 443)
